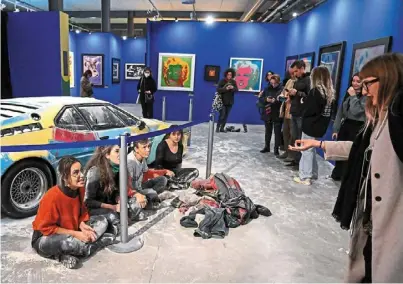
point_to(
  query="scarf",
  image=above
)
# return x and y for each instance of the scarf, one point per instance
(115, 167)
(348, 193)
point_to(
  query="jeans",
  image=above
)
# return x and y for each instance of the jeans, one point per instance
(296, 132)
(308, 165)
(224, 113)
(269, 125)
(56, 245)
(148, 109)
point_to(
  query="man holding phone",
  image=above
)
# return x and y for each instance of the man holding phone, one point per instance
(226, 88)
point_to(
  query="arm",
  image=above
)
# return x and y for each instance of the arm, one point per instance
(92, 185)
(139, 84)
(339, 117)
(159, 159)
(220, 86)
(334, 150)
(153, 86)
(357, 106)
(84, 217)
(86, 85)
(235, 89)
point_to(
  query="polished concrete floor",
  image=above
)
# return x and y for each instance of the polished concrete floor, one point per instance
(300, 242)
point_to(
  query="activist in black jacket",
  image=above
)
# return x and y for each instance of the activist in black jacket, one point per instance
(146, 88)
(303, 86)
(226, 88)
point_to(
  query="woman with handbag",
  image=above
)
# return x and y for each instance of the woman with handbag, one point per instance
(146, 89)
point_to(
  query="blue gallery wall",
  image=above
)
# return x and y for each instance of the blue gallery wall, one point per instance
(34, 54)
(74, 92)
(214, 45)
(133, 51)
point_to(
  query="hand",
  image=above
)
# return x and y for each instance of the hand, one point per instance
(148, 92)
(334, 136)
(141, 199)
(304, 144)
(82, 236)
(293, 92)
(351, 91)
(117, 207)
(170, 173)
(88, 231)
(260, 94)
(229, 87)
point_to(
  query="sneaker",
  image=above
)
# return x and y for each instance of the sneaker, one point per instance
(69, 261)
(289, 160)
(303, 181)
(283, 156)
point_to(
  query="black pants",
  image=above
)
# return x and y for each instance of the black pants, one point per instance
(348, 132)
(368, 261)
(55, 245)
(224, 113)
(148, 109)
(296, 133)
(269, 125)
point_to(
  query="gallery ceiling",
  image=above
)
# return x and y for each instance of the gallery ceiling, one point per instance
(87, 13)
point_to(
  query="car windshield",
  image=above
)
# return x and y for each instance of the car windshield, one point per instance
(100, 117)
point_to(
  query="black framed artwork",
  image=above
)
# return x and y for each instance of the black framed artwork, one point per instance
(365, 51)
(115, 70)
(332, 57)
(288, 61)
(309, 59)
(95, 63)
(212, 73)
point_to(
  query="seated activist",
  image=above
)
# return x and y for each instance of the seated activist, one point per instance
(63, 230)
(169, 156)
(102, 194)
(149, 182)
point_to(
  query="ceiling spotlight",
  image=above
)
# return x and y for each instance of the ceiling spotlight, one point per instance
(78, 31)
(209, 20)
(176, 19)
(124, 37)
(294, 14)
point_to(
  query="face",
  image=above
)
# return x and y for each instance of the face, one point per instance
(370, 88)
(243, 76)
(76, 178)
(174, 74)
(269, 75)
(175, 136)
(146, 74)
(229, 76)
(273, 83)
(356, 83)
(114, 156)
(143, 150)
(298, 72)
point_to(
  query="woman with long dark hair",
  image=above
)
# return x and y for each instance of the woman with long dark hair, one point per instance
(146, 88)
(349, 120)
(85, 84)
(226, 88)
(370, 198)
(63, 230)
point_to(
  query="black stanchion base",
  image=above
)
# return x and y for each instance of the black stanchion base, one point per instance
(134, 244)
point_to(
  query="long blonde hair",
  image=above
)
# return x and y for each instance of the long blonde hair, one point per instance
(388, 69)
(320, 79)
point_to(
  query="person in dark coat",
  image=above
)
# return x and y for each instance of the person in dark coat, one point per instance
(269, 107)
(146, 89)
(226, 88)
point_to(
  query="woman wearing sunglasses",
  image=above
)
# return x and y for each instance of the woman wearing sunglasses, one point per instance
(371, 194)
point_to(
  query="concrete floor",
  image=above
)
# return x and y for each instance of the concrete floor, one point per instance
(299, 243)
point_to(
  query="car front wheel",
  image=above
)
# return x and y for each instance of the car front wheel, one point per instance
(23, 187)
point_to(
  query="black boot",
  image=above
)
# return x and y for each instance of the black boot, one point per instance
(276, 152)
(218, 128)
(265, 150)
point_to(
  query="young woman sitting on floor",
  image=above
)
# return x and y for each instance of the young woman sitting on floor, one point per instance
(63, 230)
(169, 156)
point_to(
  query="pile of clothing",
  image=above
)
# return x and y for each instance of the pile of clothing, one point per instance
(222, 202)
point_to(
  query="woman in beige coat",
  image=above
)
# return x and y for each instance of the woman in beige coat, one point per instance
(371, 194)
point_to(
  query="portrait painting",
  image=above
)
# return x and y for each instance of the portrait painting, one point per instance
(365, 51)
(95, 63)
(134, 71)
(248, 73)
(309, 59)
(71, 69)
(211, 73)
(115, 70)
(176, 71)
(288, 61)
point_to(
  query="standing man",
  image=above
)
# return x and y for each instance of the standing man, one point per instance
(226, 88)
(297, 94)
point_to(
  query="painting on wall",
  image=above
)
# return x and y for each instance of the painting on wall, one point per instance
(332, 57)
(71, 69)
(134, 71)
(95, 63)
(288, 61)
(248, 74)
(365, 51)
(176, 71)
(309, 59)
(212, 73)
(115, 70)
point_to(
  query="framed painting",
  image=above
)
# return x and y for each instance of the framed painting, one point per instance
(365, 51)
(71, 69)
(176, 71)
(212, 73)
(95, 63)
(134, 71)
(332, 57)
(115, 70)
(288, 61)
(309, 59)
(248, 73)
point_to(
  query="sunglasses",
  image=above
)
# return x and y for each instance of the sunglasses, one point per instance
(367, 84)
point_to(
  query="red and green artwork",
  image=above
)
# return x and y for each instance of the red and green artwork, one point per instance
(176, 71)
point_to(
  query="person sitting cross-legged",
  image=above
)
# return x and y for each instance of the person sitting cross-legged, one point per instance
(63, 230)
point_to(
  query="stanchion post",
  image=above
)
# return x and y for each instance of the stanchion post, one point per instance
(210, 145)
(123, 189)
(164, 108)
(190, 118)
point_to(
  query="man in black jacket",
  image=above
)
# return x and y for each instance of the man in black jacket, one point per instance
(226, 88)
(297, 94)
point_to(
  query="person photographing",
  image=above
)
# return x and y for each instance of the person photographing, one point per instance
(226, 88)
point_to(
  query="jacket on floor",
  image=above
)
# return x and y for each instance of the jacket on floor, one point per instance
(303, 86)
(227, 95)
(270, 111)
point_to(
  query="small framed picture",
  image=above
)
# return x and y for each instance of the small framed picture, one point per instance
(134, 71)
(115, 70)
(211, 73)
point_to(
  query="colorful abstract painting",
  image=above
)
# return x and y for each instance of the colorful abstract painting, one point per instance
(309, 59)
(95, 63)
(134, 71)
(176, 71)
(71, 69)
(248, 74)
(115, 70)
(330, 61)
